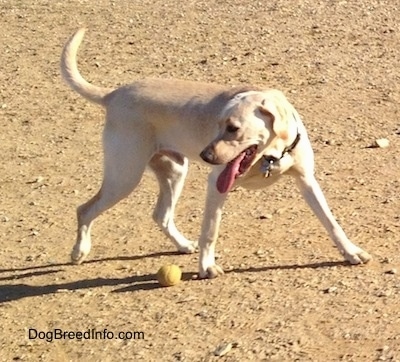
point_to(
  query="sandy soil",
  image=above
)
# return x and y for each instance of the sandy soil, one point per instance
(288, 296)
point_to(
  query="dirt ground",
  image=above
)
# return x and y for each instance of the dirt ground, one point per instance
(287, 295)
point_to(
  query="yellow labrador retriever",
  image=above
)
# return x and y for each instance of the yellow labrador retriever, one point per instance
(251, 137)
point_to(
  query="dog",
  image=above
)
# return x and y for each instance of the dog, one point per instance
(250, 136)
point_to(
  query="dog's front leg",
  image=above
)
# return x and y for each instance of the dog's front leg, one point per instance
(315, 198)
(210, 227)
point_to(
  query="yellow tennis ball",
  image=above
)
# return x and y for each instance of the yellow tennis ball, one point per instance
(169, 275)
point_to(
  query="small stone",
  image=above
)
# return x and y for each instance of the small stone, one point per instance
(223, 349)
(330, 290)
(36, 180)
(34, 232)
(39, 179)
(391, 271)
(265, 217)
(381, 143)
(202, 314)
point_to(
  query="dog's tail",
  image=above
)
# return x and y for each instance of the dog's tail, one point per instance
(71, 75)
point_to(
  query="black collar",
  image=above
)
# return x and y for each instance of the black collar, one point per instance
(293, 145)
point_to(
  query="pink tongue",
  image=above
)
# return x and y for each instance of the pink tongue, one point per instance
(229, 174)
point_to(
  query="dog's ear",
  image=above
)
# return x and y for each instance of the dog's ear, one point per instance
(277, 108)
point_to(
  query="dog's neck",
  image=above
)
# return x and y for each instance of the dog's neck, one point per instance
(268, 161)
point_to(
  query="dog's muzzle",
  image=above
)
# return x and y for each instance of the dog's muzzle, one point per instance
(209, 156)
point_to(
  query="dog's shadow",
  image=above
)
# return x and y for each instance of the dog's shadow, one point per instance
(11, 292)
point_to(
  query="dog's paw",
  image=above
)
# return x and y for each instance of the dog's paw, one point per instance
(360, 257)
(189, 248)
(211, 272)
(78, 254)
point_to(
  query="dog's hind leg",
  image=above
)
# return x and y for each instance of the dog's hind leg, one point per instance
(315, 198)
(171, 173)
(123, 170)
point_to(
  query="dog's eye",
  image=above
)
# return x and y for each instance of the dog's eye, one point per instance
(231, 129)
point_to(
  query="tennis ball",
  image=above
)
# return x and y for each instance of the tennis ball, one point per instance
(169, 275)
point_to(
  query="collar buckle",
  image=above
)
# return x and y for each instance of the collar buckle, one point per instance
(268, 164)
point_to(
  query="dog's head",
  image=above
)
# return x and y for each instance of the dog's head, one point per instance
(250, 123)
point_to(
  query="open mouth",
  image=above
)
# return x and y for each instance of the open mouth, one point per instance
(235, 169)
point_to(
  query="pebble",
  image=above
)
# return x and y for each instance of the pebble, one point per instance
(34, 232)
(330, 290)
(265, 217)
(223, 349)
(381, 143)
(202, 314)
(63, 291)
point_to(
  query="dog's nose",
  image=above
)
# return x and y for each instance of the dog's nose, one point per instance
(208, 156)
